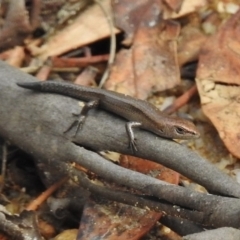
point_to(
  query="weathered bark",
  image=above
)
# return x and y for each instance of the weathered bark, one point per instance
(36, 122)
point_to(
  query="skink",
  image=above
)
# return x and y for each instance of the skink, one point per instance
(139, 113)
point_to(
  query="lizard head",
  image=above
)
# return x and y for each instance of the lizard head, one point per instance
(187, 131)
(176, 128)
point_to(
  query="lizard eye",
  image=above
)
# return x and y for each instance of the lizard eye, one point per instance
(180, 130)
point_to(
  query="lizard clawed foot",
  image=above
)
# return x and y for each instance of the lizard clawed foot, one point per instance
(76, 114)
(133, 145)
(79, 123)
(82, 116)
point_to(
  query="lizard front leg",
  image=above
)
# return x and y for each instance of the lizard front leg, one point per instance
(129, 129)
(82, 116)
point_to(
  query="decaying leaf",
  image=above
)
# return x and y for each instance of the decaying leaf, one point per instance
(175, 5)
(155, 58)
(119, 221)
(121, 77)
(219, 83)
(186, 8)
(127, 15)
(91, 25)
(152, 54)
(189, 44)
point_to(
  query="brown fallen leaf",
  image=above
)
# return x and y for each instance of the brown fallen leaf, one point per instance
(155, 58)
(114, 222)
(87, 77)
(19, 23)
(186, 8)
(117, 221)
(219, 83)
(151, 63)
(150, 168)
(127, 15)
(16, 57)
(190, 42)
(121, 77)
(90, 26)
(175, 5)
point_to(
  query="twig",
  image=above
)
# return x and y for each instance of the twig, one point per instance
(135, 200)
(17, 25)
(179, 102)
(64, 62)
(43, 72)
(4, 162)
(40, 199)
(112, 44)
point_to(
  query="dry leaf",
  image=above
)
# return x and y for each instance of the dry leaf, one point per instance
(116, 221)
(151, 63)
(121, 77)
(175, 5)
(90, 26)
(186, 8)
(218, 82)
(127, 15)
(155, 58)
(190, 42)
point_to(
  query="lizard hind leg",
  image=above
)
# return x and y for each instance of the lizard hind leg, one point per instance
(131, 138)
(82, 116)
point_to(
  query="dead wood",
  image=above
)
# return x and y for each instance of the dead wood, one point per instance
(35, 122)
